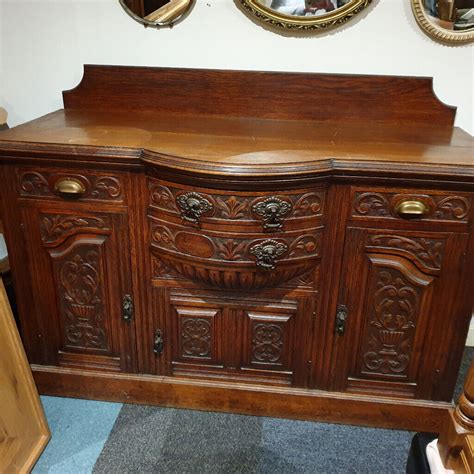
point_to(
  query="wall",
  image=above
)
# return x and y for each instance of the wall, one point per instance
(44, 43)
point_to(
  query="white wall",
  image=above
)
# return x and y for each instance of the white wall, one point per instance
(44, 43)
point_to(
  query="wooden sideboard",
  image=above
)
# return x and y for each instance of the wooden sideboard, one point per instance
(278, 244)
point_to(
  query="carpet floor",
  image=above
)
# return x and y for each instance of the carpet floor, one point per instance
(101, 437)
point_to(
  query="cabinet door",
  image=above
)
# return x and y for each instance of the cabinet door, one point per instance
(238, 337)
(393, 318)
(81, 284)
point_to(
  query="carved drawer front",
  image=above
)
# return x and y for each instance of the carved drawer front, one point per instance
(65, 184)
(225, 336)
(266, 212)
(235, 260)
(394, 294)
(407, 204)
(82, 287)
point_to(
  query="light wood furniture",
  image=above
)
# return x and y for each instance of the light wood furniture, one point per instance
(24, 432)
(456, 440)
(278, 244)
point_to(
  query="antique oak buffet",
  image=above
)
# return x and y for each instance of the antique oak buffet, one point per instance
(277, 244)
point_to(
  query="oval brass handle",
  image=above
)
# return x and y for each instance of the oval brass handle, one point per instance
(70, 187)
(411, 208)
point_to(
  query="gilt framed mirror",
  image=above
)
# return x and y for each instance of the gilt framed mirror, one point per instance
(448, 21)
(157, 13)
(304, 15)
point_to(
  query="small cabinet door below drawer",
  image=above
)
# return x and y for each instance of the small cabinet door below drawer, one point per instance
(239, 338)
(394, 314)
(82, 287)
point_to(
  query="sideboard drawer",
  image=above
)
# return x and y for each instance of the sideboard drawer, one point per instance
(405, 204)
(81, 184)
(235, 260)
(254, 212)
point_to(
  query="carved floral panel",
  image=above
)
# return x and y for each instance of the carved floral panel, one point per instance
(81, 298)
(393, 316)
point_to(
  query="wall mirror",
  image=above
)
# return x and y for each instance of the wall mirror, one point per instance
(304, 15)
(157, 13)
(449, 21)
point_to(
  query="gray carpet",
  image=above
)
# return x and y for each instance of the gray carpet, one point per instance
(159, 440)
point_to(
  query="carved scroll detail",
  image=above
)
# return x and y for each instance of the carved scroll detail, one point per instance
(196, 338)
(371, 204)
(452, 207)
(383, 204)
(33, 183)
(267, 343)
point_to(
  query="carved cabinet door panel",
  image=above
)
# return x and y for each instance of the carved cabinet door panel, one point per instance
(393, 317)
(82, 287)
(237, 338)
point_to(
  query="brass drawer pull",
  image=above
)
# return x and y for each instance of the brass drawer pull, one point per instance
(193, 206)
(411, 208)
(267, 253)
(70, 187)
(272, 211)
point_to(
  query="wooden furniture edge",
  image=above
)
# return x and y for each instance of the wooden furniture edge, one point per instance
(225, 174)
(331, 407)
(42, 436)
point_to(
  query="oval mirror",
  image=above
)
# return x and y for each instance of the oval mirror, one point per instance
(157, 13)
(450, 21)
(304, 15)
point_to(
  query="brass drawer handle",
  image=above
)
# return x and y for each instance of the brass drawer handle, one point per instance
(272, 211)
(267, 253)
(70, 187)
(193, 206)
(411, 208)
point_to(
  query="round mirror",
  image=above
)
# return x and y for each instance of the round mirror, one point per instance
(304, 14)
(157, 13)
(450, 21)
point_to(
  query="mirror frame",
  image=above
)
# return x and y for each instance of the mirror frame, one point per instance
(436, 32)
(304, 23)
(151, 24)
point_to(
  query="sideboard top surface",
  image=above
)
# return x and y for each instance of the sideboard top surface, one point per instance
(227, 135)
